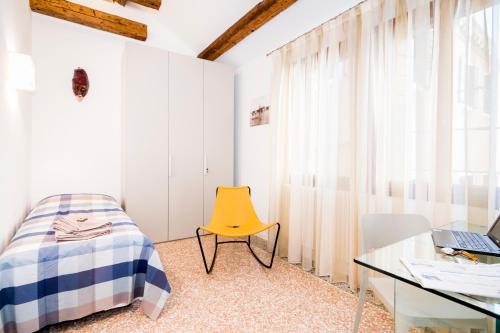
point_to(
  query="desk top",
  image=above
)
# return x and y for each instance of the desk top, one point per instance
(386, 260)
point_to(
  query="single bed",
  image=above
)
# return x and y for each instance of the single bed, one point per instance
(44, 282)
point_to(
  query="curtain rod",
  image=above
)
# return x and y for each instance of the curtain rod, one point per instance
(333, 18)
(305, 33)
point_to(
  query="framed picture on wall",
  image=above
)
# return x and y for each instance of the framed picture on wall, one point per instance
(260, 112)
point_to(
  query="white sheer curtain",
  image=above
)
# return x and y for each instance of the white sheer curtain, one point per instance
(390, 107)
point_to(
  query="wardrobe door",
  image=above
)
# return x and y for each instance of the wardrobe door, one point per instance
(145, 139)
(185, 146)
(218, 131)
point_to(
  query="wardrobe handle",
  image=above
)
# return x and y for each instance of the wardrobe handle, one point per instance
(170, 165)
(205, 165)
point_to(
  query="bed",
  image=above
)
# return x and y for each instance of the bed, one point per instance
(44, 282)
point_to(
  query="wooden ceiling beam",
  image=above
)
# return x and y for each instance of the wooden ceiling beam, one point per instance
(155, 4)
(89, 17)
(121, 2)
(259, 15)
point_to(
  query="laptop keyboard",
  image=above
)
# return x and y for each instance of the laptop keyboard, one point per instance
(471, 241)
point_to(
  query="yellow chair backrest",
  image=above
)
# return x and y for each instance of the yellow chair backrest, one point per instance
(233, 208)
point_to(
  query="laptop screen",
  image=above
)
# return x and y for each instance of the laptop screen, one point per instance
(494, 232)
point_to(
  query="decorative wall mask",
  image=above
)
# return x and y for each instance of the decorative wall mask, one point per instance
(80, 83)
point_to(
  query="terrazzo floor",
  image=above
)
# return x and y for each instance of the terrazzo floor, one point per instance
(238, 296)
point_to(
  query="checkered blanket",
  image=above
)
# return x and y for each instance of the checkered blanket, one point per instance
(43, 282)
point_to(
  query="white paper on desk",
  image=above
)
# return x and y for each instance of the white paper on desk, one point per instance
(480, 279)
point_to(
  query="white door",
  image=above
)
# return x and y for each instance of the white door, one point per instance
(145, 139)
(185, 146)
(218, 130)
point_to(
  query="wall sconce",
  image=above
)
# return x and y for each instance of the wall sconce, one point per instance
(20, 71)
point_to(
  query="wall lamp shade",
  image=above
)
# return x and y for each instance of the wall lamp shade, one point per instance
(20, 71)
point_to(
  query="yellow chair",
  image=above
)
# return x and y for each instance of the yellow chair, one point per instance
(234, 216)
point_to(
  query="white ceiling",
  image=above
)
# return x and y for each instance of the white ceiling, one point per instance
(301, 17)
(188, 26)
(199, 22)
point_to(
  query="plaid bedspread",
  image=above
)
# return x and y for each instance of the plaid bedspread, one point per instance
(43, 282)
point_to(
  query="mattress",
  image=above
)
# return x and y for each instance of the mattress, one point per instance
(44, 282)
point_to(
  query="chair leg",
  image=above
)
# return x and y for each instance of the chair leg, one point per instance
(208, 270)
(362, 298)
(401, 325)
(274, 249)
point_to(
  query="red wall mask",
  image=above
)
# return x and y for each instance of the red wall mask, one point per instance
(80, 83)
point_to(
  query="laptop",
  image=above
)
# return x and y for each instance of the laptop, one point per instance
(488, 244)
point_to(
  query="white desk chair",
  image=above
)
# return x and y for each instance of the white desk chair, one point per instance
(379, 230)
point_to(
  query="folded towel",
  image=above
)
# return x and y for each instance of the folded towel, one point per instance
(78, 223)
(62, 236)
(79, 227)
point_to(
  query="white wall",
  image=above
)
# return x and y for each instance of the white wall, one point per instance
(253, 144)
(77, 145)
(15, 121)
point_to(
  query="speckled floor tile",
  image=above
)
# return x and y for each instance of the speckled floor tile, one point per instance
(238, 296)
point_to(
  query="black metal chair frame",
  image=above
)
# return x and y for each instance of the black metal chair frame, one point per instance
(208, 270)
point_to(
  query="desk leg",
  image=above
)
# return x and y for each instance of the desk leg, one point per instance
(401, 324)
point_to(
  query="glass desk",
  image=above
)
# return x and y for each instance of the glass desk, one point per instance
(386, 260)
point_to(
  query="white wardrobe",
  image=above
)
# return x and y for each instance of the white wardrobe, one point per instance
(178, 139)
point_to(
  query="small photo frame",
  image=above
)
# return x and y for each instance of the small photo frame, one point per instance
(260, 114)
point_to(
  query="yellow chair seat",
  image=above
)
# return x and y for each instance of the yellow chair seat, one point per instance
(234, 216)
(237, 231)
